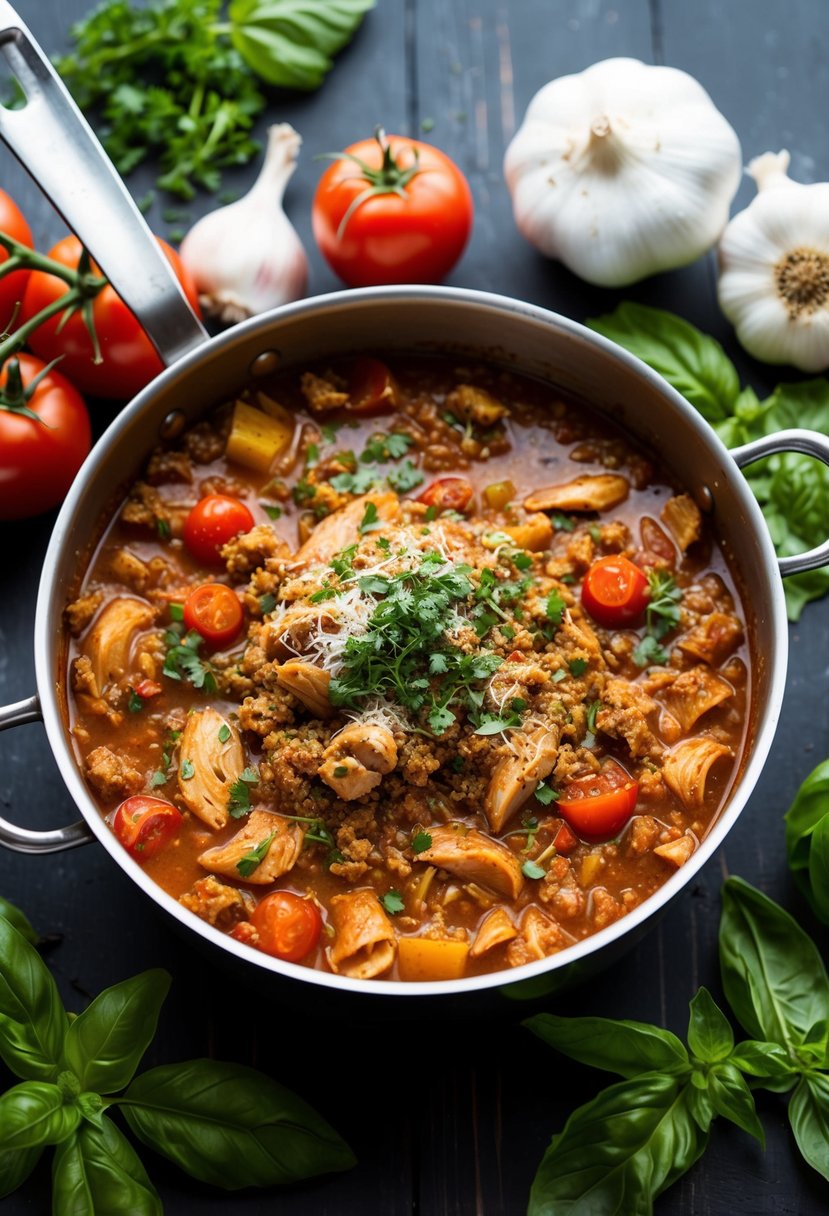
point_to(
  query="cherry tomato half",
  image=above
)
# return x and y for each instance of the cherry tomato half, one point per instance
(289, 926)
(39, 460)
(146, 825)
(371, 388)
(615, 592)
(130, 360)
(13, 286)
(448, 494)
(598, 807)
(401, 214)
(214, 521)
(214, 611)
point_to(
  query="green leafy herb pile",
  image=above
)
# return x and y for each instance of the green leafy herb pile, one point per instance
(224, 1124)
(178, 80)
(792, 490)
(618, 1152)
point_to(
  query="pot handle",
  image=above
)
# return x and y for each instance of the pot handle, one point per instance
(807, 443)
(25, 840)
(55, 144)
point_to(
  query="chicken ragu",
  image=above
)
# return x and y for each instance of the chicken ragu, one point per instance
(409, 670)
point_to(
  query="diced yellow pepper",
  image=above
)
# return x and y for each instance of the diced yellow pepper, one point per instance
(428, 958)
(256, 439)
(499, 494)
(590, 867)
(535, 533)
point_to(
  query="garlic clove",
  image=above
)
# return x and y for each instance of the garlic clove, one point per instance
(622, 171)
(774, 269)
(247, 258)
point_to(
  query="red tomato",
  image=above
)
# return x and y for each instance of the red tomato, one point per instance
(289, 926)
(401, 214)
(212, 523)
(147, 689)
(565, 840)
(39, 460)
(615, 592)
(215, 612)
(448, 494)
(13, 286)
(129, 360)
(371, 388)
(598, 807)
(146, 825)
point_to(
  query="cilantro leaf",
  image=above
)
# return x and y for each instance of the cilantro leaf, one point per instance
(182, 660)
(578, 667)
(135, 703)
(405, 478)
(555, 607)
(370, 519)
(421, 842)
(253, 859)
(530, 870)
(267, 603)
(271, 510)
(187, 770)
(392, 901)
(545, 795)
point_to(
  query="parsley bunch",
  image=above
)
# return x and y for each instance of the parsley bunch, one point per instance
(404, 656)
(177, 80)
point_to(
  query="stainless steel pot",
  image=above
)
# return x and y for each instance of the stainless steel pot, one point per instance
(56, 145)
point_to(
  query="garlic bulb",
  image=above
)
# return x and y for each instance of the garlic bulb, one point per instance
(774, 268)
(623, 171)
(247, 257)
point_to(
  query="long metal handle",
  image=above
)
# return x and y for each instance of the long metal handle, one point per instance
(807, 443)
(26, 840)
(56, 145)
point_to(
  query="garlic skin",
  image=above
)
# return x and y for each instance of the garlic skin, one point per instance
(623, 171)
(774, 268)
(247, 257)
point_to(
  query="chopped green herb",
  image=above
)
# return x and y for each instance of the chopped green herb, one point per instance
(530, 870)
(135, 703)
(187, 770)
(159, 777)
(421, 842)
(649, 651)
(493, 724)
(182, 660)
(545, 795)
(359, 482)
(250, 775)
(559, 675)
(271, 510)
(312, 455)
(369, 521)
(238, 803)
(393, 903)
(267, 602)
(457, 764)
(555, 607)
(303, 492)
(383, 543)
(383, 447)
(431, 513)
(662, 613)
(592, 711)
(329, 432)
(162, 528)
(252, 860)
(405, 478)
(521, 561)
(595, 534)
(224, 732)
(176, 612)
(562, 523)
(578, 667)
(341, 770)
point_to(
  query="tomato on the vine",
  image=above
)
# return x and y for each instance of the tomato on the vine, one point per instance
(392, 210)
(288, 925)
(129, 360)
(214, 521)
(12, 286)
(40, 455)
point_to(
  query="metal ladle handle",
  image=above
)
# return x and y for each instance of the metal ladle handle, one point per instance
(55, 144)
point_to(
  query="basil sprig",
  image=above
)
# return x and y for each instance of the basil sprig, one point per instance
(224, 1124)
(618, 1152)
(807, 839)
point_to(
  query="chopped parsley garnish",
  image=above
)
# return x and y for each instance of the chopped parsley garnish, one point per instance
(530, 870)
(592, 710)
(303, 492)
(555, 607)
(661, 616)
(521, 560)
(595, 534)
(562, 523)
(272, 512)
(392, 901)
(359, 482)
(326, 592)
(159, 777)
(224, 732)
(176, 612)
(578, 667)
(187, 770)
(431, 513)
(369, 522)
(312, 455)
(162, 528)
(238, 804)
(405, 478)
(386, 447)
(267, 602)
(329, 432)
(493, 724)
(421, 842)
(545, 795)
(341, 770)
(252, 860)
(135, 703)
(182, 659)
(649, 651)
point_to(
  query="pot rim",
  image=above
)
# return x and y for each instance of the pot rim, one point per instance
(59, 742)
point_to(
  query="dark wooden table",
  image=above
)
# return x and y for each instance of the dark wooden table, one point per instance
(451, 1119)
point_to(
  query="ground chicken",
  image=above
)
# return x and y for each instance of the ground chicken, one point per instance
(248, 552)
(111, 775)
(80, 612)
(217, 903)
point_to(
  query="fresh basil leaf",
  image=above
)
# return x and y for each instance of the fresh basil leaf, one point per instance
(33, 1021)
(231, 1126)
(773, 977)
(105, 1043)
(810, 806)
(34, 1113)
(768, 1064)
(710, 1036)
(97, 1172)
(627, 1048)
(16, 918)
(700, 1104)
(696, 365)
(731, 1098)
(819, 870)
(809, 1117)
(16, 1164)
(618, 1152)
(290, 42)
